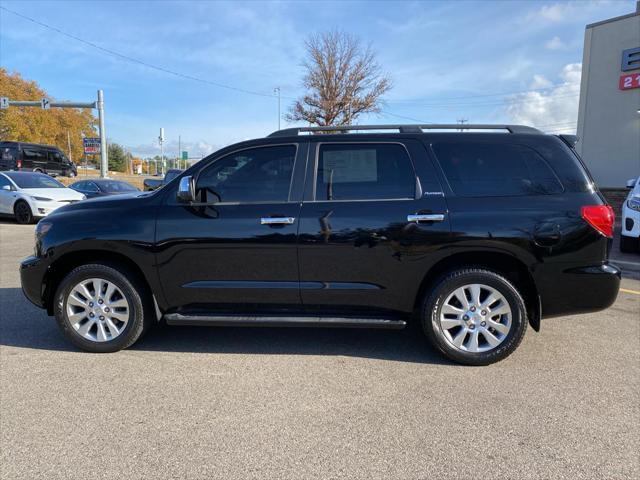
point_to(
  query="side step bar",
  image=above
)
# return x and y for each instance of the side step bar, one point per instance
(281, 321)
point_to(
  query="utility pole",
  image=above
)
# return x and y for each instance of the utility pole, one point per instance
(179, 150)
(161, 140)
(104, 162)
(69, 145)
(462, 121)
(277, 92)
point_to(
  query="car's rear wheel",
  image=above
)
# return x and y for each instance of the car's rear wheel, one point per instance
(102, 308)
(629, 244)
(474, 316)
(38, 170)
(22, 212)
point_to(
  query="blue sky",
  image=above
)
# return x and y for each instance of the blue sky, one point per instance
(491, 61)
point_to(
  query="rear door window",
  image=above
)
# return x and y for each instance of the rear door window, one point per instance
(34, 155)
(483, 169)
(366, 171)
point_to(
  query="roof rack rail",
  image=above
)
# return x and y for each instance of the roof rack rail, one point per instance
(417, 128)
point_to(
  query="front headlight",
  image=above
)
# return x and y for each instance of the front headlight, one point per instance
(634, 204)
(43, 199)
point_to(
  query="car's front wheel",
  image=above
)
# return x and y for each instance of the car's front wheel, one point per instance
(101, 308)
(474, 316)
(22, 212)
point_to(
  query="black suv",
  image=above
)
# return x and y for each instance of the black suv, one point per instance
(33, 157)
(472, 234)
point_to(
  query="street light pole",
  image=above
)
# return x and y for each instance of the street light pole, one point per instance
(104, 162)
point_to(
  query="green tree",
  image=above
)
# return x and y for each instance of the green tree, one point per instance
(117, 158)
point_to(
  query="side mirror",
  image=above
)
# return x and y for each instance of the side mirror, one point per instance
(186, 190)
(7, 188)
(631, 183)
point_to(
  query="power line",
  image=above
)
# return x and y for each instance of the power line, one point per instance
(135, 60)
(558, 85)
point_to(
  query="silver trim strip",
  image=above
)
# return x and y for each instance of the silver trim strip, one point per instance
(277, 220)
(430, 217)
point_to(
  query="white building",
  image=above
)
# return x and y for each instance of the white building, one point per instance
(609, 112)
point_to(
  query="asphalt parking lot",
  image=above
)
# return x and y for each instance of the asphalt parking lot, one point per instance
(304, 403)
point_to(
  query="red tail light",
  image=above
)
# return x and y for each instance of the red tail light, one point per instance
(19, 163)
(600, 217)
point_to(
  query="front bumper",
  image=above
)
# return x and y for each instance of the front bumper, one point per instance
(33, 271)
(580, 290)
(630, 222)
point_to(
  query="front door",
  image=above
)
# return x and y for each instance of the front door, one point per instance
(373, 215)
(235, 247)
(7, 196)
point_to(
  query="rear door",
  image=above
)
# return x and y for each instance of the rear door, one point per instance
(372, 215)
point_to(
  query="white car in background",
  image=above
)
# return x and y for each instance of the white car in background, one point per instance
(630, 235)
(29, 195)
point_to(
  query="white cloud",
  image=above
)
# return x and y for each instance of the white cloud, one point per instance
(554, 109)
(555, 44)
(556, 12)
(196, 149)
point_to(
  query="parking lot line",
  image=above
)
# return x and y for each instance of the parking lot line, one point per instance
(625, 290)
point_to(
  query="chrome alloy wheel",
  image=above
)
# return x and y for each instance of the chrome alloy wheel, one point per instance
(475, 318)
(97, 309)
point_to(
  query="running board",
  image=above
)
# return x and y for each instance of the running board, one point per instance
(281, 321)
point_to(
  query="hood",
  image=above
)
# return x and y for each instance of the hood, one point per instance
(123, 201)
(58, 194)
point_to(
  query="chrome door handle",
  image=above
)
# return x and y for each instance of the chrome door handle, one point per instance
(426, 217)
(277, 220)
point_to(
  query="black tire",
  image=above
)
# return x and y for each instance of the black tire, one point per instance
(38, 170)
(22, 213)
(432, 306)
(141, 311)
(628, 244)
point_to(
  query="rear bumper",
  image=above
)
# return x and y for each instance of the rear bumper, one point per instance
(580, 290)
(32, 278)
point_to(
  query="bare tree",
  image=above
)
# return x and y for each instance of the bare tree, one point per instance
(343, 81)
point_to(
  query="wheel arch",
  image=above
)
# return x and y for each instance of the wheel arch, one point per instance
(67, 262)
(503, 263)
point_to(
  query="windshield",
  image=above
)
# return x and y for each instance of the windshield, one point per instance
(113, 187)
(33, 180)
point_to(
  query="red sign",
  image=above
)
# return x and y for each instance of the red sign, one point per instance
(629, 81)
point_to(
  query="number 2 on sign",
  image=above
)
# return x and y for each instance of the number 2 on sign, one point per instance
(628, 82)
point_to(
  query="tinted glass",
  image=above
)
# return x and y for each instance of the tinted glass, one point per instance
(78, 185)
(55, 157)
(35, 155)
(34, 180)
(9, 153)
(255, 175)
(495, 169)
(4, 181)
(364, 172)
(117, 187)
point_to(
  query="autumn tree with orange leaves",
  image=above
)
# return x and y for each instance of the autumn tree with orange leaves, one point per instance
(28, 124)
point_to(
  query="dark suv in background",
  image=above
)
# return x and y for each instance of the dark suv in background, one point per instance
(32, 157)
(472, 234)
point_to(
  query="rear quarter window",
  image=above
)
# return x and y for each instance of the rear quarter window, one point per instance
(493, 169)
